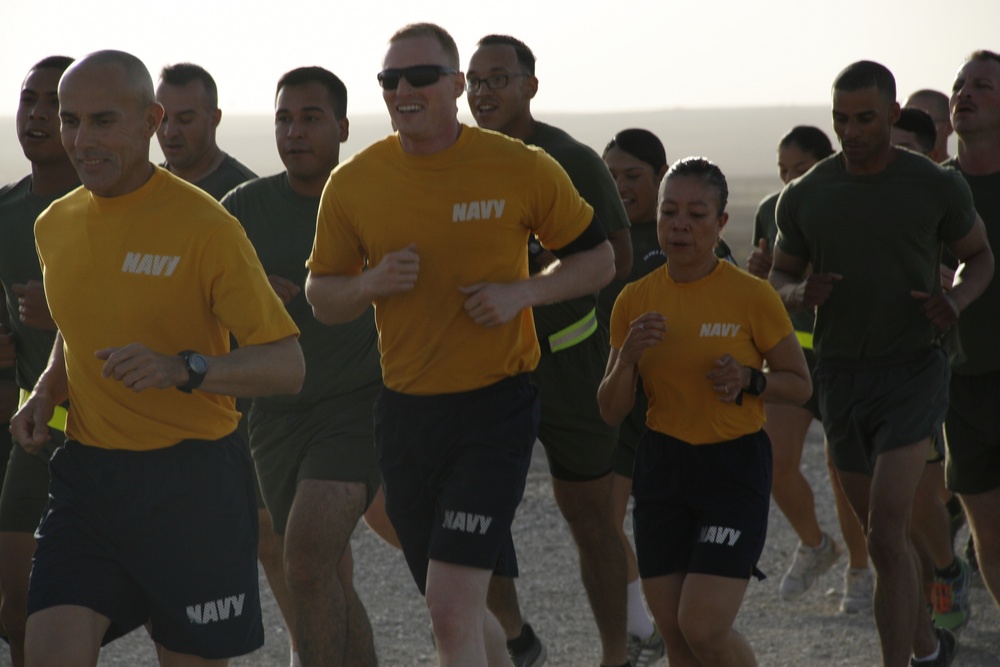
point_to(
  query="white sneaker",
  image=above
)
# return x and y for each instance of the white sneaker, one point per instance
(645, 652)
(807, 566)
(859, 589)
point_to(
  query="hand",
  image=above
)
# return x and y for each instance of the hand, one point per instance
(940, 309)
(492, 304)
(32, 307)
(760, 260)
(644, 332)
(284, 288)
(395, 274)
(816, 289)
(29, 427)
(8, 355)
(139, 368)
(726, 378)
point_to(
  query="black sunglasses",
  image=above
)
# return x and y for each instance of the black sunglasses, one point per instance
(417, 76)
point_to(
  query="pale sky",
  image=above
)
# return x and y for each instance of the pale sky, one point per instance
(592, 56)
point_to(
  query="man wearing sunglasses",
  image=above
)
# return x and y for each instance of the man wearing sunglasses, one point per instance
(455, 426)
(580, 446)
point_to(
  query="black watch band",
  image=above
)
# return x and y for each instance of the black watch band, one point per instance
(757, 384)
(197, 368)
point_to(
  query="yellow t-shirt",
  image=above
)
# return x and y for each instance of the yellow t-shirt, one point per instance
(469, 209)
(165, 266)
(727, 312)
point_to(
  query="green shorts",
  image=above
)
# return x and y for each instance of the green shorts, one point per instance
(578, 443)
(871, 406)
(26, 486)
(972, 428)
(329, 440)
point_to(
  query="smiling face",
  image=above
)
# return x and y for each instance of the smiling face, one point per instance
(308, 135)
(107, 124)
(187, 133)
(506, 109)
(38, 117)
(425, 117)
(863, 120)
(975, 98)
(637, 184)
(688, 226)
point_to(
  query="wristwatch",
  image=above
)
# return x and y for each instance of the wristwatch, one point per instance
(758, 382)
(197, 368)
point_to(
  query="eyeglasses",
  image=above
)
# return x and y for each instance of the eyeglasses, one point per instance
(493, 81)
(417, 76)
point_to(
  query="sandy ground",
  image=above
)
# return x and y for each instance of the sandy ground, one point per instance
(807, 633)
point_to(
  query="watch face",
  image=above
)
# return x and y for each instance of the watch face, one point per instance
(198, 364)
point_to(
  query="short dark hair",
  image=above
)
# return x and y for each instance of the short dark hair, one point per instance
(707, 171)
(433, 31)
(60, 63)
(920, 123)
(182, 74)
(641, 144)
(525, 58)
(983, 54)
(810, 140)
(866, 74)
(936, 99)
(303, 75)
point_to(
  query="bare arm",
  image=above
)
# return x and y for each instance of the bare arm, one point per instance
(253, 370)
(799, 289)
(29, 426)
(788, 379)
(621, 243)
(584, 272)
(336, 299)
(616, 395)
(971, 280)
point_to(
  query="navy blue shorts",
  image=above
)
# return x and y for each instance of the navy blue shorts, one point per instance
(701, 508)
(168, 535)
(454, 467)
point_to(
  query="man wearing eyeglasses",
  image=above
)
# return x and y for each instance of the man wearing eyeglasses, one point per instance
(935, 103)
(455, 426)
(580, 446)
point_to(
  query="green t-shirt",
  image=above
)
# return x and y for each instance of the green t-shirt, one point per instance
(884, 234)
(765, 226)
(230, 173)
(281, 225)
(647, 255)
(981, 318)
(593, 181)
(19, 207)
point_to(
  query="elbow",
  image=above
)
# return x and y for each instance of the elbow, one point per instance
(293, 374)
(622, 267)
(609, 270)
(804, 390)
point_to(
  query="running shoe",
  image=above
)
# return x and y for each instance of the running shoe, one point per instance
(950, 599)
(648, 651)
(531, 656)
(947, 650)
(859, 591)
(807, 566)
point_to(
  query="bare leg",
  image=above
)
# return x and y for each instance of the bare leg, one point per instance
(850, 525)
(378, 520)
(981, 509)
(456, 598)
(885, 501)
(16, 550)
(787, 426)
(501, 600)
(64, 636)
(331, 625)
(586, 506)
(270, 553)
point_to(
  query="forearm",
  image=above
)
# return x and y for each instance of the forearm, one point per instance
(787, 387)
(337, 299)
(621, 244)
(256, 370)
(53, 382)
(973, 279)
(788, 287)
(575, 275)
(616, 394)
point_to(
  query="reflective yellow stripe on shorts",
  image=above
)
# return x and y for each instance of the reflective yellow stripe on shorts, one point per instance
(58, 420)
(575, 333)
(805, 339)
